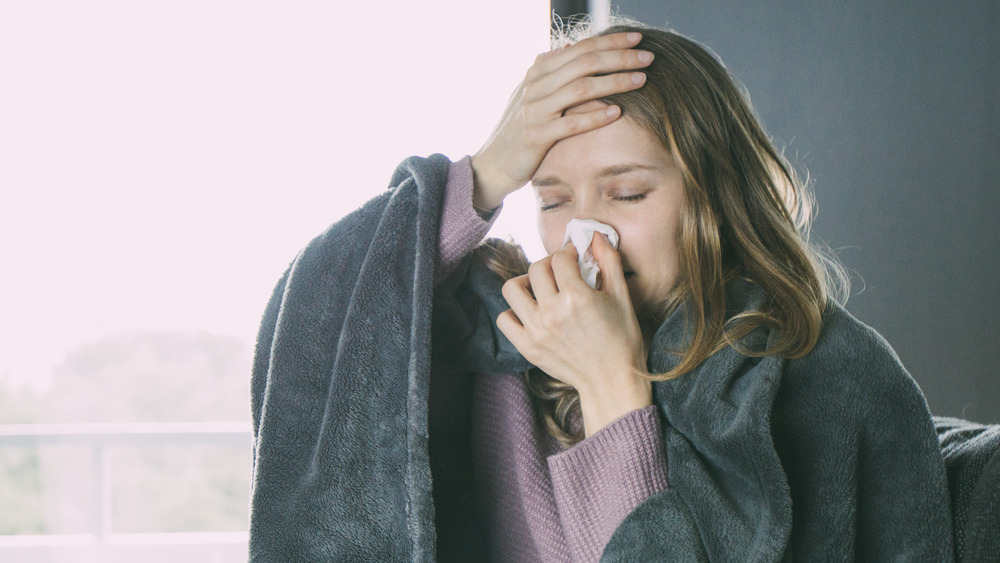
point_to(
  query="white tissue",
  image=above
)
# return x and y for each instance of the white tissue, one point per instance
(581, 233)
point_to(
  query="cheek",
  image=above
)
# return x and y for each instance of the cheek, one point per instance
(551, 230)
(651, 246)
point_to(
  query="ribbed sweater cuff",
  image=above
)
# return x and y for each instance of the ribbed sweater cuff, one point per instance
(462, 228)
(600, 480)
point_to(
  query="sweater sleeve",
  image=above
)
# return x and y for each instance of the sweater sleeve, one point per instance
(462, 227)
(599, 481)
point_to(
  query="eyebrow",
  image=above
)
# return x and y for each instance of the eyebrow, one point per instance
(606, 172)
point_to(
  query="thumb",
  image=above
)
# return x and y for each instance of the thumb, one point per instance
(610, 262)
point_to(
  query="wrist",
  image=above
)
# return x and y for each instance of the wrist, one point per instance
(602, 406)
(485, 196)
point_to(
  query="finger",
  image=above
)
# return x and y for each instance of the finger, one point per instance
(543, 282)
(517, 292)
(511, 327)
(610, 262)
(587, 89)
(588, 65)
(576, 123)
(566, 268)
(547, 62)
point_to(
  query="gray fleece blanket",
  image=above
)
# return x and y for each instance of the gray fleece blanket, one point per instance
(972, 456)
(830, 457)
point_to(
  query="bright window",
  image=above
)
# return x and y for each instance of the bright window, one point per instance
(160, 165)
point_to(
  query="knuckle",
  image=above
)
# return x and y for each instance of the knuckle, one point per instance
(567, 258)
(589, 62)
(528, 89)
(535, 268)
(564, 255)
(588, 44)
(581, 89)
(574, 125)
(547, 323)
(552, 321)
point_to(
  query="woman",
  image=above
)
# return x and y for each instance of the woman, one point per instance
(707, 400)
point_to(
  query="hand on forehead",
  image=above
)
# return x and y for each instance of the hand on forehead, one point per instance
(584, 107)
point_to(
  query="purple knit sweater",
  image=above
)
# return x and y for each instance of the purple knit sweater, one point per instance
(541, 501)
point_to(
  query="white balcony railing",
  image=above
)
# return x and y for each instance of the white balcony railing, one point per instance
(99, 438)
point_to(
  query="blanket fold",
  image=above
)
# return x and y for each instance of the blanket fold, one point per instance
(829, 457)
(340, 386)
(972, 457)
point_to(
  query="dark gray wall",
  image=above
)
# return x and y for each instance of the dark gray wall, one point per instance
(894, 110)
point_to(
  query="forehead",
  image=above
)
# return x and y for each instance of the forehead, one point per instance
(582, 157)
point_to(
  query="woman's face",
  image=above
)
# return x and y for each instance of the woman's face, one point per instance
(622, 176)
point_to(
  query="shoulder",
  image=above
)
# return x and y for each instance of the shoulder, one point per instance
(847, 348)
(848, 345)
(852, 368)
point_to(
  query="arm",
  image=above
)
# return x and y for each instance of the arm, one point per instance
(462, 226)
(342, 328)
(599, 481)
(902, 485)
(262, 354)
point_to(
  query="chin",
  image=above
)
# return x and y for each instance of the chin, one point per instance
(647, 308)
(639, 302)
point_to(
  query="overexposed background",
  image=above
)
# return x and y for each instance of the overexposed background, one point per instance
(161, 163)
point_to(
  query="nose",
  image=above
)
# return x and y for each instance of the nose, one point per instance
(589, 207)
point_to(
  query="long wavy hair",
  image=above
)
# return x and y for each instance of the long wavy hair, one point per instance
(746, 215)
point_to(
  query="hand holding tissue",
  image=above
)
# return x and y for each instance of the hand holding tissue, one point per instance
(581, 233)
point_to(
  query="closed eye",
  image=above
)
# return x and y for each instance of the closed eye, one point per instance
(633, 197)
(550, 206)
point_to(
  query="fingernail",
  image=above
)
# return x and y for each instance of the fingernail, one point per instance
(638, 78)
(645, 57)
(612, 111)
(634, 37)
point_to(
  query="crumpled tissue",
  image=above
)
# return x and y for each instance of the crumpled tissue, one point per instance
(581, 233)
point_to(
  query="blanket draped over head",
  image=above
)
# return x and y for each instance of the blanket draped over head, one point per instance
(829, 457)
